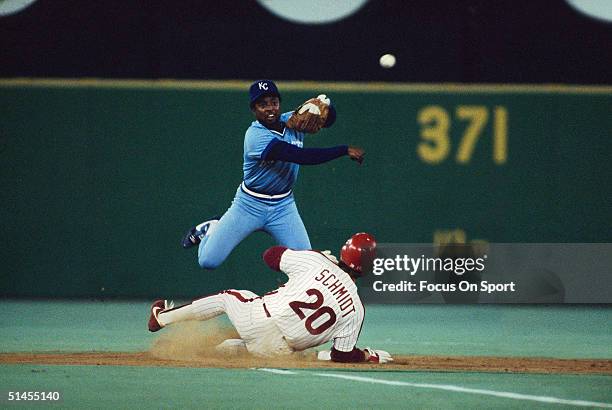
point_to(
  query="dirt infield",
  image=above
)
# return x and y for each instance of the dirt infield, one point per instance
(401, 363)
(193, 345)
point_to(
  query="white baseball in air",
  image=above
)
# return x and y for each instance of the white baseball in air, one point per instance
(387, 60)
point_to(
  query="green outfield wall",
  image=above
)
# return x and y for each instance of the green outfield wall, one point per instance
(101, 179)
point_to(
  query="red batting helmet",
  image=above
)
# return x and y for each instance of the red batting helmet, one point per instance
(359, 252)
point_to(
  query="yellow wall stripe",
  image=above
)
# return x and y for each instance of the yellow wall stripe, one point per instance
(317, 86)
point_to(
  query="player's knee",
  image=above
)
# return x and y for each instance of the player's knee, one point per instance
(209, 263)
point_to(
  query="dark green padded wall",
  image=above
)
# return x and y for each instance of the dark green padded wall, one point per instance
(99, 184)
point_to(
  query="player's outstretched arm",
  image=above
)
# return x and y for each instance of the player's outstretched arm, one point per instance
(278, 150)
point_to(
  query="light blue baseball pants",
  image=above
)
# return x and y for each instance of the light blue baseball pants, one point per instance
(247, 214)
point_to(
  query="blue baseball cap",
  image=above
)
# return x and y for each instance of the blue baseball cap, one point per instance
(262, 87)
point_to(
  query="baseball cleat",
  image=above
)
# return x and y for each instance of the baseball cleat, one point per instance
(156, 308)
(195, 235)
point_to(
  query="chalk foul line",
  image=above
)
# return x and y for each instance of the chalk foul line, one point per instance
(449, 387)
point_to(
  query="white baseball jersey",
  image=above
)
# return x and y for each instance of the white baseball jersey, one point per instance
(318, 303)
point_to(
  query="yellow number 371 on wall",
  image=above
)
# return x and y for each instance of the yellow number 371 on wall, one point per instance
(435, 121)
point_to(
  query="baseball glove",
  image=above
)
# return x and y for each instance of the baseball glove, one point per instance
(311, 116)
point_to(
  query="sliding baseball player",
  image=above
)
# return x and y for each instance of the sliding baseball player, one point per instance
(317, 304)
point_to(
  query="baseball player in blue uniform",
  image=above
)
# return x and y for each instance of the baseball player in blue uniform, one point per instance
(264, 200)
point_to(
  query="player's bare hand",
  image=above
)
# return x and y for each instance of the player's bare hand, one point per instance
(356, 154)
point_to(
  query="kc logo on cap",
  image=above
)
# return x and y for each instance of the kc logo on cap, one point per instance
(262, 87)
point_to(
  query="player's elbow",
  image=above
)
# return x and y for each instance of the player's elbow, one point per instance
(272, 257)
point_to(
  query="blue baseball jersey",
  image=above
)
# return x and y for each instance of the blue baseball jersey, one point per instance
(269, 177)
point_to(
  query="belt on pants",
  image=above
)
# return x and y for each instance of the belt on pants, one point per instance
(245, 189)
